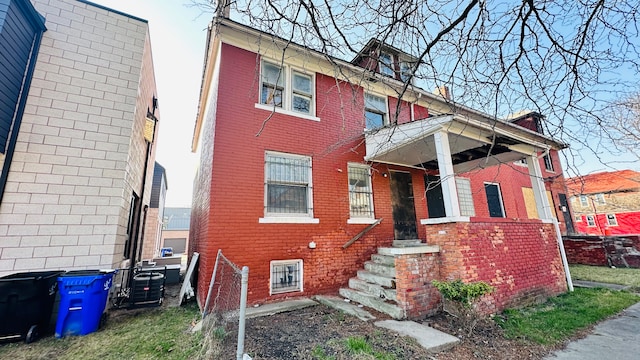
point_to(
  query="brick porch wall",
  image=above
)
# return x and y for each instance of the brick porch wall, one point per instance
(414, 291)
(519, 258)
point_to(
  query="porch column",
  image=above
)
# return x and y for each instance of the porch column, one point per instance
(539, 191)
(447, 176)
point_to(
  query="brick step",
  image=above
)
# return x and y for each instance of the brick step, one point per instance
(383, 259)
(407, 243)
(380, 269)
(377, 279)
(372, 289)
(375, 303)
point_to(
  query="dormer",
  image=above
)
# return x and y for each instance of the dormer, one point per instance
(528, 119)
(386, 60)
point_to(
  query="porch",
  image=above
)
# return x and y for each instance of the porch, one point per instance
(522, 258)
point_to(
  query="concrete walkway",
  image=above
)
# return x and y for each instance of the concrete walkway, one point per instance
(617, 338)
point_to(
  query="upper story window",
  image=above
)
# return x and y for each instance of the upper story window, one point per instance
(375, 111)
(287, 89)
(548, 163)
(405, 71)
(288, 185)
(273, 79)
(386, 64)
(600, 199)
(360, 193)
(583, 201)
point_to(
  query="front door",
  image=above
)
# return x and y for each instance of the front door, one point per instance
(404, 211)
(435, 201)
(566, 213)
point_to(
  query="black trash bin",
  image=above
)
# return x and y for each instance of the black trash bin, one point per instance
(26, 303)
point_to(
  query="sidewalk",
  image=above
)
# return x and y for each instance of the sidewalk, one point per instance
(617, 338)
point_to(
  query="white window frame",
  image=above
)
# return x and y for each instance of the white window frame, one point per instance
(600, 199)
(288, 92)
(504, 213)
(271, 217)
(584, 201)
(591, 221)
(405, 71)
(548, 163)
(289, 289)
(615, 220)
(385, 114)
(577, 218)
(358, 218)
(384, 68)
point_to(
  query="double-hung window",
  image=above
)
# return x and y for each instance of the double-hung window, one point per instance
(273, 80)
(288, 186)
(405, 71)
(583, 201)
(360, 193)
(611, 220)
(591, 221)
(287, 90)
(375, 111)
(386, 64)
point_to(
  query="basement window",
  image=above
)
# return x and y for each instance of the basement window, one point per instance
(286, 276)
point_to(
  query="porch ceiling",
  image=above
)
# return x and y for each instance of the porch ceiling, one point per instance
(472, 143)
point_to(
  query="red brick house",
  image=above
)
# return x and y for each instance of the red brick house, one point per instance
(318, 178)
(606, 203)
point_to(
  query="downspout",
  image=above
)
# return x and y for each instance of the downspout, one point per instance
(24, 92)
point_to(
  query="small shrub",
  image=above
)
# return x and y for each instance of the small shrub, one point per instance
(462, 293)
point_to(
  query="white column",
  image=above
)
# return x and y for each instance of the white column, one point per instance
(447, 176)
(539, 191)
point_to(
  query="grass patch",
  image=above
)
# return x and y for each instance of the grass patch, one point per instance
(622, 276)
(561, 317)
(152, 334)
(361, 349)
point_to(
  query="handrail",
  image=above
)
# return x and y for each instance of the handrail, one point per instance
(361, 234)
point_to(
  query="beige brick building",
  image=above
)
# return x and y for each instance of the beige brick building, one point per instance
(74, 185)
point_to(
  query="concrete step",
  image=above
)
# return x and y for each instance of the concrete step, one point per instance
(407, 243)
(377, 279)
(383, 259)
(372, 289)
(380, 269)
(375, 303)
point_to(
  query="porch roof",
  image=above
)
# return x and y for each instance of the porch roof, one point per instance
(473, 143)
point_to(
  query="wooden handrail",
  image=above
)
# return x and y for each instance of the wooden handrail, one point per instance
(361, 234)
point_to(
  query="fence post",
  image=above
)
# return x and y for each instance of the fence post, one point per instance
(213, 279)
(243, 307)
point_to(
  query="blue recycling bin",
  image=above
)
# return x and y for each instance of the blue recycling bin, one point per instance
(83, 299)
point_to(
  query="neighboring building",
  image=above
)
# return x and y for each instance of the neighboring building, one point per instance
(310, 165)
(606, 203)
(175, 232)
(82, 108)
(152, 240)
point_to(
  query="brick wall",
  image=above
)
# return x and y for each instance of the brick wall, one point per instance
(229, 189)
(414, 291)
(619, 251)
(79, 149)
(519, 258)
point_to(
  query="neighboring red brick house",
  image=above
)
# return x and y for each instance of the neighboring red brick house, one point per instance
(606, 203)
(311, 165)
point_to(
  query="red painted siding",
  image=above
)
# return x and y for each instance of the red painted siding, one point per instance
(628, 223)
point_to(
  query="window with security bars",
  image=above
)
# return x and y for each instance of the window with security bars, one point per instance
(286, 276)
(465, 197)
(360, 193)
(287, 185)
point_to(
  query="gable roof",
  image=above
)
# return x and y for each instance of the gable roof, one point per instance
(604, 182)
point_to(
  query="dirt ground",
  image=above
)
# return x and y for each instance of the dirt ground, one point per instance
(320, 332)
